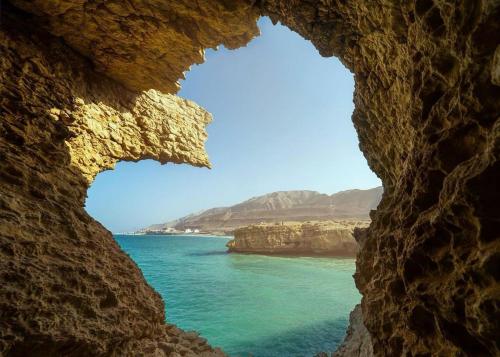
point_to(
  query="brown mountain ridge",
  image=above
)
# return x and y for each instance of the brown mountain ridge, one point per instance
(298, 206)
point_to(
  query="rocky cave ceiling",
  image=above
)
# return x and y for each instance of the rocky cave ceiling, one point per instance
(85, 84)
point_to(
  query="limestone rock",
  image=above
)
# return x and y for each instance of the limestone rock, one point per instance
(333, 238)
(66, 286)
(159, 126)
(427, 117)
(146, 44)
(357, 342)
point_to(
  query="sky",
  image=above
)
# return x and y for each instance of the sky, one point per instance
(282, 121)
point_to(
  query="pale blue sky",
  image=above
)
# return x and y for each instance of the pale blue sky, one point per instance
(282, 121)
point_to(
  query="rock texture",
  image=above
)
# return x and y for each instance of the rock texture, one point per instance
(299, 206)
(357, 342)
(426, 112)
(67, 288)
(332, 238)
(146, 44)
(427, 116)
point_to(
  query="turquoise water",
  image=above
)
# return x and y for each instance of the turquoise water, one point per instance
(248, 304)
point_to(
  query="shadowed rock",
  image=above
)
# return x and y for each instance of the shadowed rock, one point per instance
(426, 112)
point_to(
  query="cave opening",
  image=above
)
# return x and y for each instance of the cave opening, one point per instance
(426, 113)
(282, 125)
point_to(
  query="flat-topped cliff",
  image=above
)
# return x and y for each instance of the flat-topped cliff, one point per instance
(333, 238)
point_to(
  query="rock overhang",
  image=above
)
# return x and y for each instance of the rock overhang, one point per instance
(426, 83)
(146, 44)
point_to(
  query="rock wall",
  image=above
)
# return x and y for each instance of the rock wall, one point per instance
(427, 78)
(67, 288)
(357, 342)
(426, 112)
(332, 238)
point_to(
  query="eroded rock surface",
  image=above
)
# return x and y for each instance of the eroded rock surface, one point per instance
(357, 342)
(146, 44)
(427, 115)
(426, 112)
(67, 288)
(332, 238)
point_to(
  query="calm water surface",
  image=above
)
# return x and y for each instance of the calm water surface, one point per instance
(248, 304)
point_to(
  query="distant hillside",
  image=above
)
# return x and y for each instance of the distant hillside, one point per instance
(281, 206)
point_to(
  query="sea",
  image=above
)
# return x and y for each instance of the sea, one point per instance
(248, 305)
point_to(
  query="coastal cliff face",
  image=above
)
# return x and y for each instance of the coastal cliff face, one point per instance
(357, 342)
(427, 113)
(334, 238)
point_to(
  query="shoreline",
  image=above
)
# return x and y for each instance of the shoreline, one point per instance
(176, 235)
(296, 254)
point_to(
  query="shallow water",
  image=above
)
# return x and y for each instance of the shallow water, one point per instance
(248, 304)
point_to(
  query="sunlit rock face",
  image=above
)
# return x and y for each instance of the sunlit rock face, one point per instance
(329, 238)
(426, 112)
(67, 288)
(146, 44)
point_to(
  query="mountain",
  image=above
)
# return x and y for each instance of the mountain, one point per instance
(281, 206)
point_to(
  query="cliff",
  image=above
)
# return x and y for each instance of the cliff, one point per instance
(333, 238)
(357, 342)
(298, 206)
(67, 287)
(427, 114)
